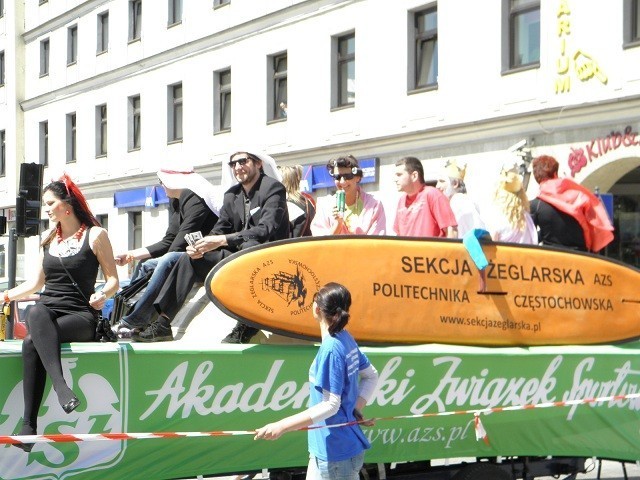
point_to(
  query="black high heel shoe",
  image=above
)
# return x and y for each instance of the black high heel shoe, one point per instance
(26, 430)
(71, 405)
(24, 446)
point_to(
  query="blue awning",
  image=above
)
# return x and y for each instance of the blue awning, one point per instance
(140, 197)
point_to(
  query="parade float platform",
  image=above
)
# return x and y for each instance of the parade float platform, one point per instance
(449, 345)
(189, 387)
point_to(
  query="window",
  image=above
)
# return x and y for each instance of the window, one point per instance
(72, 45)
(524, 33)
(44, 57)
(220, 3)
(134, 123)
(135, 20)
(101, 130)
(174, 113)
(631, 22)
(222, 100)
(175, 12)
(44, 143)
(103, 33)
(345, 71)
(71, 138)
(104, 223)
(135, 225)
(3, 153)
(424, 49)
(277, 88)
(2, 68)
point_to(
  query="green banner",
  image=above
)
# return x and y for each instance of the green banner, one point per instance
(174, 387)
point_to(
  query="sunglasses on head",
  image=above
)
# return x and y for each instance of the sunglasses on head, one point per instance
(344, 176)
(239, 161)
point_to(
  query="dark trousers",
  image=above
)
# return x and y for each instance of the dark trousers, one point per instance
(183, 276)
(48, 328)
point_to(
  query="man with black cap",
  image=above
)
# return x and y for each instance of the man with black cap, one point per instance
(254, 211)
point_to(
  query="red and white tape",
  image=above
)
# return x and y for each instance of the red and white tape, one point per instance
(480, 432)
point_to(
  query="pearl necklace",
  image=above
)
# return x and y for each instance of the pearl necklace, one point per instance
(76, 236)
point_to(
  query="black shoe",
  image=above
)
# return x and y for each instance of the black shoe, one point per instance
(71, 405)
(26, 430)
(27, 447)
(241, 333)
(156, 332)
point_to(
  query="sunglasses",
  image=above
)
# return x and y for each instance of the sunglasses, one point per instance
(240, 161)
(344, 176)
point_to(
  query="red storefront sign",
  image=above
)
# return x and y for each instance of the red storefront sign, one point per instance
(579, 157)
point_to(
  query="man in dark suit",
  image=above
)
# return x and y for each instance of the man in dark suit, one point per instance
(194, 207)
(254, 211)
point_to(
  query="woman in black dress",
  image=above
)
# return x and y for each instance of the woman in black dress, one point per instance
(71, 253)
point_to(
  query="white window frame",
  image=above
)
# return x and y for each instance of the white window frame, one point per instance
(72, 45)
(631, 27)
(419, 41)
(3, 153)
(101, 130)
(277, 89)
(135, 229)
(135, 20)
(2, 68)
(222, 101)
(174, 16)
(511, 15)
(43, 135)
(175, 113)
(71, 137)
(45, 49)
(102, 41)
(343, 63)
(134, 122)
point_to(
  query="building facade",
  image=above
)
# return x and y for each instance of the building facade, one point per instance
(110, 90)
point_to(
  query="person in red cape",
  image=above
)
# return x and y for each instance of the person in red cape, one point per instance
(572, 203)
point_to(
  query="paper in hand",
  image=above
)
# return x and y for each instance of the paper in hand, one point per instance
(192, 238)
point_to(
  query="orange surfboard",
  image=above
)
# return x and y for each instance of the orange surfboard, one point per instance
(413, 291)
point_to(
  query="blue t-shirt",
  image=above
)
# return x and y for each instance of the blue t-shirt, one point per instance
(336, 369)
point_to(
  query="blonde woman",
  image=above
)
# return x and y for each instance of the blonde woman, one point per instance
(509, 219)
(301, 207)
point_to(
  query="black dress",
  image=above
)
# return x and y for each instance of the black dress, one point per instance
(59, 293)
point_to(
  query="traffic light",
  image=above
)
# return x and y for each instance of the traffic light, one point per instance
(29, 200)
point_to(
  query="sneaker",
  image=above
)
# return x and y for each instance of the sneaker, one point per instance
(241, 333)
(123, 332)
(156, 332)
